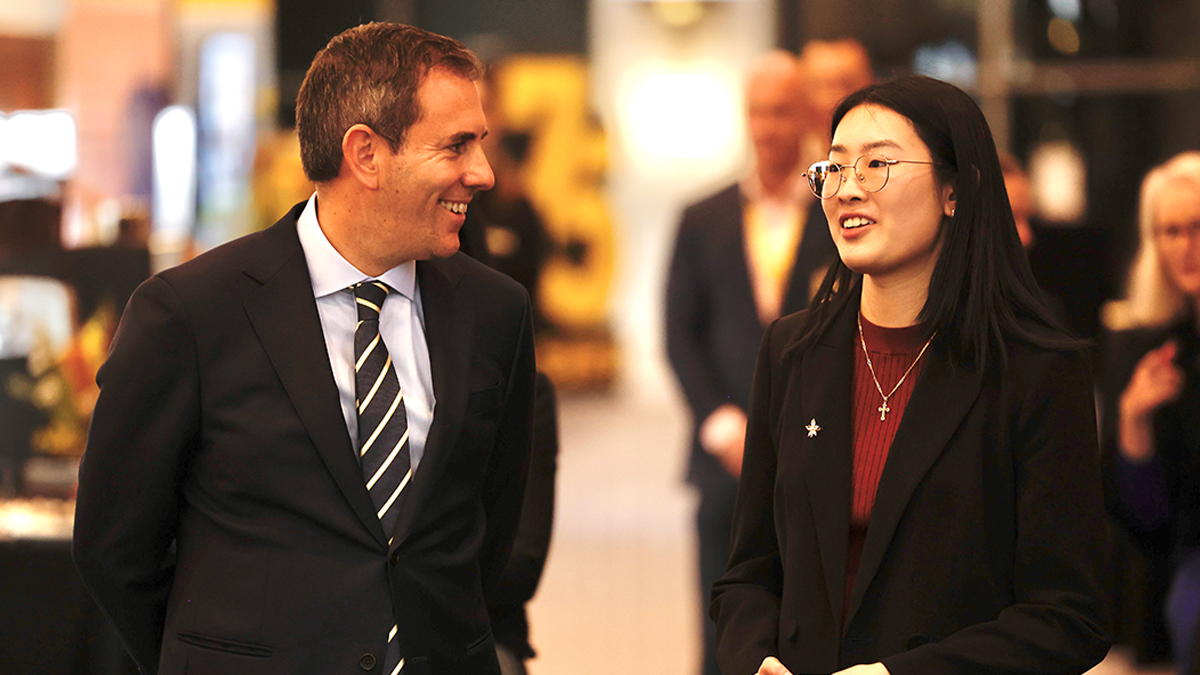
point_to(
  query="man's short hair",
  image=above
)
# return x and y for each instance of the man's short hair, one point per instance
(369, 75)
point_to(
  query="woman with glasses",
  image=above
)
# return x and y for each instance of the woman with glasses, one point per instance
(920, 491)
(1152, 402)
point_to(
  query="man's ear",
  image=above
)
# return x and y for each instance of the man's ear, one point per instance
(362, 150)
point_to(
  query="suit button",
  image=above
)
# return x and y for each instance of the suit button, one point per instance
(395, 558)
(366, 662)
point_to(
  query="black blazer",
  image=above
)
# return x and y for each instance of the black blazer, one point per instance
(222, 521)
(712, 325)
(1176, 436)
(506, 606)
(985, 546)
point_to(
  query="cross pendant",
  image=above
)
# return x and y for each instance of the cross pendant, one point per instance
(883, 411)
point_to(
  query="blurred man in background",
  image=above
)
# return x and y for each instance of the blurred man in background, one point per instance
(743, 257)
(833, 70)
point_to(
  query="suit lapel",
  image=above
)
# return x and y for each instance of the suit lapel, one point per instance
(814, 252)
(284, 315)
(940, 400)
(449, 328)
(734, 239)
(826, 376)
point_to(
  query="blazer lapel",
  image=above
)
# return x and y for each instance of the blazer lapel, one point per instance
(449, 328)
(734, 239)
(806, 260)
(826, 376)
(284, 315)
(940, 400)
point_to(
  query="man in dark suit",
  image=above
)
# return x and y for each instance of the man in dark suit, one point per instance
(310, 447)
(743, 257)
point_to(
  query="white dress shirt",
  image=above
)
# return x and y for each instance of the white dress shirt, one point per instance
(401, 326)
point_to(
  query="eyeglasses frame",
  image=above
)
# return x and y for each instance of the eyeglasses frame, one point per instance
(854, 167)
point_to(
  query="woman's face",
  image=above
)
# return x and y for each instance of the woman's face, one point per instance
(1177, 233)
(892, 234)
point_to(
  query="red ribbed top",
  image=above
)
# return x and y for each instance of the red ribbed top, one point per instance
(892, 350)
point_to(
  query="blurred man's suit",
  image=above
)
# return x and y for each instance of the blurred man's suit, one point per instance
(713, 334)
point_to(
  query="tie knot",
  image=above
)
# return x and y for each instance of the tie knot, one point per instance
(369, 297)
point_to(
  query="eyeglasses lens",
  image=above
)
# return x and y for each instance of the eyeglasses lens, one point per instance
(818, 179)
(872, 172)
(825, 178)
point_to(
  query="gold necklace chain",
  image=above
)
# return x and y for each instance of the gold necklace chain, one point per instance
(884, 409)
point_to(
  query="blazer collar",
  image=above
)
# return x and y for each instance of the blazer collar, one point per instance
(826, 376)
(942, 397)
(449, 329)
(284, 315)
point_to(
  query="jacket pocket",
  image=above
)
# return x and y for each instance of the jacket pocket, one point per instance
(484, 400)
(226, 646)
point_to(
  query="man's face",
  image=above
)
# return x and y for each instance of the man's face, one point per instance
(776, 117)
(428, 182)
(835, 70)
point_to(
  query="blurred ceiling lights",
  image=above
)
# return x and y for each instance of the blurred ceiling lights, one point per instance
(674, 114)
(41, 142)
(1063, 36)
(678, 13)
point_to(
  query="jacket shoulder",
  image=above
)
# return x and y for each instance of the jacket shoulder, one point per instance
(259, 253)
(724, 201)
(490, 289)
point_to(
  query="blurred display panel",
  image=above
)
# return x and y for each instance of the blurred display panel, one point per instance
(279, 180)
(547, 98)
(28, 72)
(226, 136)
(107, 51)
(174, 153)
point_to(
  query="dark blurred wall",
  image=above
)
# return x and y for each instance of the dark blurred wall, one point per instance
(303, 27)
(545, 26)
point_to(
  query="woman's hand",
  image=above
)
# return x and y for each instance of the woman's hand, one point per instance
(1156, 380)
(865, 669)
(772, 666)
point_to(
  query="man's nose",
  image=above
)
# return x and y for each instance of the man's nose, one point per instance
(479, 173)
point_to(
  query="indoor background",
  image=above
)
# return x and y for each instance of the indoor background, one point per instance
(135, 134)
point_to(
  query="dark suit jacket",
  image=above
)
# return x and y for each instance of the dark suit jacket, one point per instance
(223, 523)
(712, 324)
(506, 607)
(985, 546)
(1176, 437)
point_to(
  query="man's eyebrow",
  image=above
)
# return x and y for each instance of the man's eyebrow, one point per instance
(464, 136)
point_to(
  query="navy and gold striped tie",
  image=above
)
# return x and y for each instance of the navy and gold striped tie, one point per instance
(382, 424)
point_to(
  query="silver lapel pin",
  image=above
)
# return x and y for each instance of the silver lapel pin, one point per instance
(813, 428)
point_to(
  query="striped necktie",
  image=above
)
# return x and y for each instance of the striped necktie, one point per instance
(382, 424)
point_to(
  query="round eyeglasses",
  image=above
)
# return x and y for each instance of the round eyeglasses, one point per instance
(871, 170)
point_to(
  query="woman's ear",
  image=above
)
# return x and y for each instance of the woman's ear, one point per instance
(949, 199)
(361, 152)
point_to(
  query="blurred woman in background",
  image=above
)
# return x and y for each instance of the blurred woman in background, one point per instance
(1152, 395)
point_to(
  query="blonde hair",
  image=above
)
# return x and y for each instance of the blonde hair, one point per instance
(1151, 297)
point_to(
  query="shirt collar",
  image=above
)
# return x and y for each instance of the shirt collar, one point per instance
(796, 191)
(330, 272)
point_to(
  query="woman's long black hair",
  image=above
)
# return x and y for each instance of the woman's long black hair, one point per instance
(982, 289)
